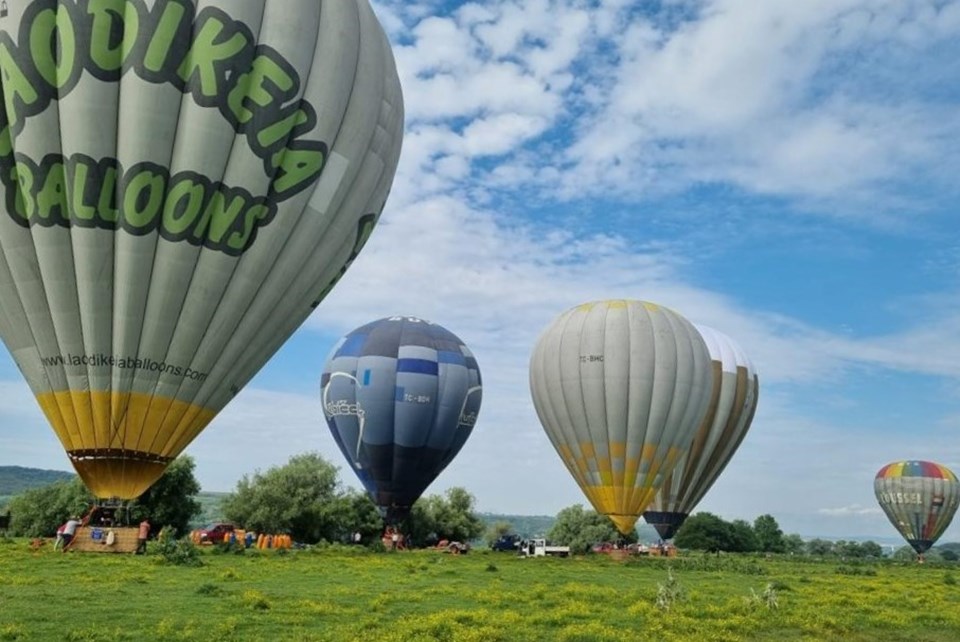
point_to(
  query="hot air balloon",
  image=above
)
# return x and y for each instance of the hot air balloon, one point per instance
(732, 405)
(920, 499)
(183, 182)
(401, 397)
(621, 388)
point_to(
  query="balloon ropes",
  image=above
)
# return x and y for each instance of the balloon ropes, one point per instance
(732, 406)
(401, 396)
(920, 499)
(181, 186)
(621, 388)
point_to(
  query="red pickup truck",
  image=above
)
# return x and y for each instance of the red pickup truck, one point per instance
(214, 533)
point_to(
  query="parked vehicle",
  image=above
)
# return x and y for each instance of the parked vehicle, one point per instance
(213, 533)
(457, 548)
(508, 543)
(538, 547)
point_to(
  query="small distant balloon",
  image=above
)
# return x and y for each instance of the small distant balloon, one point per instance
(920, 499)
(733, 403)
(401, 396)
(621, 388)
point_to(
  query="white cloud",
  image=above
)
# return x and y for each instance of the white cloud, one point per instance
(780, 98)
(853, 509)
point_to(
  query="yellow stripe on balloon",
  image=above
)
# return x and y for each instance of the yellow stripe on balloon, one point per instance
(120, 443)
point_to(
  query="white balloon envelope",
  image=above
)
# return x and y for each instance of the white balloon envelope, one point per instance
(620, 387)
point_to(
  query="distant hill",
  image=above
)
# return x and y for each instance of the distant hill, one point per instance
(16, 479)
(210, 509)
(540, 525)
(523, 525)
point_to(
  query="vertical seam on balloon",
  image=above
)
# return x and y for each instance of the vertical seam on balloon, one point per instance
(392, 421)
(210, 388)
(734, 430)
(438, 389)
(72, 262)
(178, 431)
(638, 490)
(539, 388)
(616, 489)
(177, 136)
(632, 311)
(293, 321)
(46, 299)
(118, 235)
(575, 448)
(245, 366)
(563, 424)
(695, 466)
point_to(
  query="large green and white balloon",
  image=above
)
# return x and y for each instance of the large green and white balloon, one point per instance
(183, 182)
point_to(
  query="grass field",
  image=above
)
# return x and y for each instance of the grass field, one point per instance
(338, 595)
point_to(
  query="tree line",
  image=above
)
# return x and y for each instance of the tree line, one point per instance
(306, 499)
(303, 498)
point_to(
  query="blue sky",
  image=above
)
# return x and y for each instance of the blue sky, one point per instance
(782, 171)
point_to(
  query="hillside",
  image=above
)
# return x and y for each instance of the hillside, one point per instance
(16, 479)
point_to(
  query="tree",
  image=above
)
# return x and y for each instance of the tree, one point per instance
(704, 532)
(172, 500)
(580, 529)
(497, 530)
(40, 511)
(793, 544)
(768, 533)
(300, 498)
(457, 518)
(871, 549)
(742, 537)
(357, 514)
(819, 547)
(907, 554)
(451, 517)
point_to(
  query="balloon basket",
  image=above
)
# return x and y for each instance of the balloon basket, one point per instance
(96, 539)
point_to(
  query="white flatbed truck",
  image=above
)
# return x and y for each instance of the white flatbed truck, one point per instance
(538, 547)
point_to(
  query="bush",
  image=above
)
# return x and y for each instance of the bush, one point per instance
(669, 592)
(855, 570)
(769, 598)
(178, 552)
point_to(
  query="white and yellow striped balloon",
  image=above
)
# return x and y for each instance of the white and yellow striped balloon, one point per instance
(183, 182)
(620, 387)
(733, 403)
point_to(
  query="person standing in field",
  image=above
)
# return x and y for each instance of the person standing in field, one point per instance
(69, 530)
(142, 536)
(58, 543)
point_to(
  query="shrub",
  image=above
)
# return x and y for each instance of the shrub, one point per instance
(178, 552)
(769, 598)
(669, 592)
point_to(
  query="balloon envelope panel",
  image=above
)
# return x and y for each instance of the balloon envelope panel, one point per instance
(401, 396)
(183, 182)
(920, 498)
(620, 388)
(732, 407)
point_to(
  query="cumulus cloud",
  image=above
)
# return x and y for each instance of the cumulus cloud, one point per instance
(853, 509)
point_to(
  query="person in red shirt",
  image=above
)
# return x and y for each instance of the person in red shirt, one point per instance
(142, 536)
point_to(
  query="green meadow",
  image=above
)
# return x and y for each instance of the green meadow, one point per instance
(340, 594)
